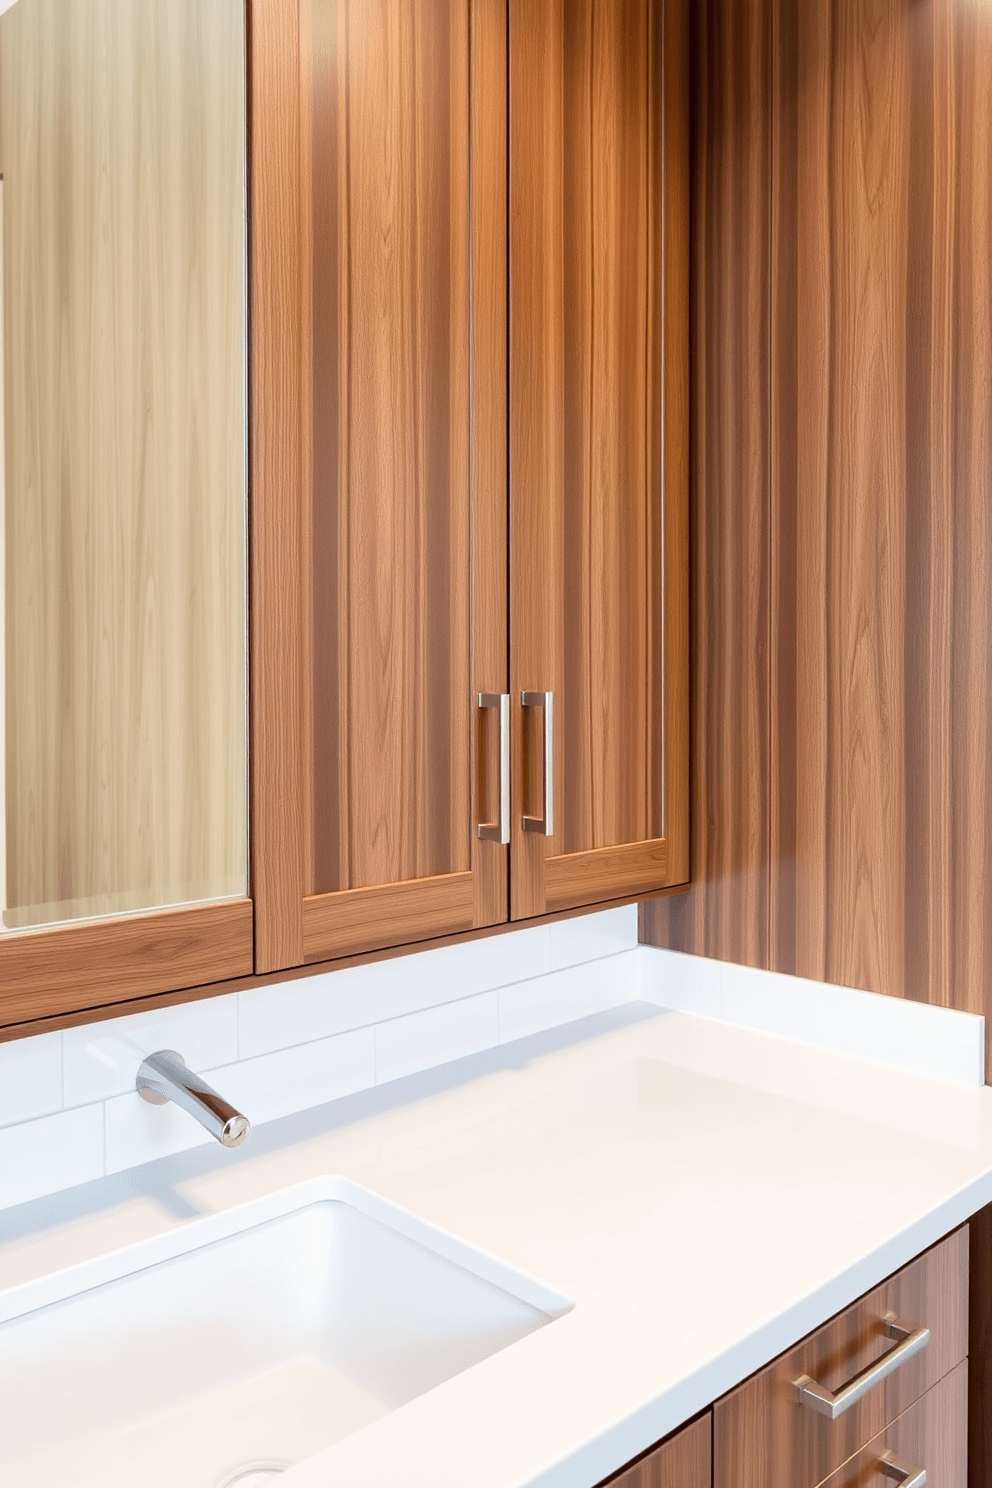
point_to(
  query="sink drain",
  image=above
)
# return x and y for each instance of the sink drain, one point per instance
(257, 1474)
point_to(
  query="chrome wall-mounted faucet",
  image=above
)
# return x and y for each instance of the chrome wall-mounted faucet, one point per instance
(164, 1076)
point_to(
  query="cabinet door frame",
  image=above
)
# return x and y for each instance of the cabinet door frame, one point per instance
(91, 966)
(293, 925)
(545, 878)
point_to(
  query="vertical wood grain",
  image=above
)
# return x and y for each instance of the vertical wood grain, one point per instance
(932, 1434)
(403, 259)
(391, 458)
(279, 836)
(861, 815)
(489, 455)
(597, 512)
(681, 1462)
(980, 1351)
(854, 161)
(669, 303)
(123, 163)
(762, 1436)
(970, 892)
(3, 592)
(536, 61)
(725, 913)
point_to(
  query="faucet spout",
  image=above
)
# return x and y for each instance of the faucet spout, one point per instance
(164, 1076)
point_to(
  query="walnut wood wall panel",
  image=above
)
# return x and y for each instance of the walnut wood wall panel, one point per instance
(726, 911)
(843, 758)
(681, 1462)
(122, 144)
(597, 519)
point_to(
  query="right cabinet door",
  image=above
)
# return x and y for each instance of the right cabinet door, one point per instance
(598, 449)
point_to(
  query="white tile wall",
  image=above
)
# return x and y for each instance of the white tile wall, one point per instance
(30, 1078)
(50, 1153)
(436, 1035)
(937, 1042)
(69, 1111)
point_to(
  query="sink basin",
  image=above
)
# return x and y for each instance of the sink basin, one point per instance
(224, 1352)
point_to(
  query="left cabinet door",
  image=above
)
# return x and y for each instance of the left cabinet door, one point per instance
(123, 672)
(379, 481)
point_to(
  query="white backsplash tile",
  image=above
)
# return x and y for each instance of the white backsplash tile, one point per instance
(280, 1049)
(587, 937)
(100, 1059)
(137, 1132)
(619, 979)
(546, 1002)
(30, 1078)
(50, 1153)
(939, 1043)
(403, 1046)
(315, 1007)
(290, 1080)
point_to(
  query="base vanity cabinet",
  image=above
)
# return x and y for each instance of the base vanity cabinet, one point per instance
(877, 1395)
(682, 1461)
(770, 1432)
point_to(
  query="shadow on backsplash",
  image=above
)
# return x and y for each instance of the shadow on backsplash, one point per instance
(160, 1180)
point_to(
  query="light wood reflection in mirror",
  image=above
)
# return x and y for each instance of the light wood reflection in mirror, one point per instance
(122, 153)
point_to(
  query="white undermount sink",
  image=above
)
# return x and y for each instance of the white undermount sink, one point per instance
(228, 1350)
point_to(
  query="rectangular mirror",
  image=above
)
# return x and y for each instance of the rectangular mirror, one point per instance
(123, 752)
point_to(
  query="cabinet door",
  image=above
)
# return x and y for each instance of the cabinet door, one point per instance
(681, 1462)
(598, 448)
(123, 750)
(383, 578)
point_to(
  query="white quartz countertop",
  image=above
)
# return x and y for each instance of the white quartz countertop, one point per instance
(705, 1194)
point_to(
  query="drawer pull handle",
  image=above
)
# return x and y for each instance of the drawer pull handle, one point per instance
(499, 831)
(901, 1472)
(544, 824)
(910, 1342)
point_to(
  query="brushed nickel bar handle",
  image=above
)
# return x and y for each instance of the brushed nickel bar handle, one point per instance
(900, 1472)
(499, 831)
(544, 824)
(831, 1405)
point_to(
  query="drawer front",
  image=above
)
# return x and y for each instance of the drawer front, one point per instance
(683, 1461)
(931, 1435)
(763, 1437)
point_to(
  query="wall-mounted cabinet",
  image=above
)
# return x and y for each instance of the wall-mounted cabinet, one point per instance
(123, 674)
(459, 376)
(470, 604)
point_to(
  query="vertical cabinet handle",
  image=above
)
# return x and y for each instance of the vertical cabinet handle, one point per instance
(499, 831)
(544, 824)
(910, 1341)
(901, 1472)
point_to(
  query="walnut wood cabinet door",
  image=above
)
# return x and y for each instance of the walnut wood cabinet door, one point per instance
(380, 625)
(598, 448)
